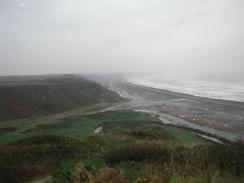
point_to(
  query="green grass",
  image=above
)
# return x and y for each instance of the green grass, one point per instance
(186, 135)
(132, 144)
(142, 152)
(38, 155)
(65, 172)
(136, 153)
(77, 125)
(82, 125)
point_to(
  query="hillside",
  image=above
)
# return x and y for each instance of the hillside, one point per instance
(29, 96)
(131, 147)
(100, 140)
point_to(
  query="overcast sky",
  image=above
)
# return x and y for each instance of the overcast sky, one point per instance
(89, 36)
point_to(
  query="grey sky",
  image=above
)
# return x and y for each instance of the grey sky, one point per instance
(88, 36)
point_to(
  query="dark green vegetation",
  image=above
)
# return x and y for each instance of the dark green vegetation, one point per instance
(134, 147)
(34, 96)
(74, 125)
(84, 124)
(7, 130)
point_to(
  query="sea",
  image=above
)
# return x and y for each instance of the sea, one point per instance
(225, 87)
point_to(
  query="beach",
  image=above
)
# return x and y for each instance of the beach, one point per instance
(221, 119)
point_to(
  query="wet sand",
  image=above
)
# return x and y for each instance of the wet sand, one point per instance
(217, 118)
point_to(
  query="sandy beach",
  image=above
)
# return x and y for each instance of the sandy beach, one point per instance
(217, 118)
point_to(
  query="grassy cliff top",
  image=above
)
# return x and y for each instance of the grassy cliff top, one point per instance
(29, 96)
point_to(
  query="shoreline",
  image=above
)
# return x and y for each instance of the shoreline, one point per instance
(203, 134)
(239, 100)
(186, 95)
(215, 118)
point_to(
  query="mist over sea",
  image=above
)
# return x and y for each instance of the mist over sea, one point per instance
(226, 87)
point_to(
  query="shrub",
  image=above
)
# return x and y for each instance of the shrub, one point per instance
(136, 153)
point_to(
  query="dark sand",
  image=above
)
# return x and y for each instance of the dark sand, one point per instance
(216, 118)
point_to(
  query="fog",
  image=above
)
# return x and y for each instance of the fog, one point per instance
(114, 36)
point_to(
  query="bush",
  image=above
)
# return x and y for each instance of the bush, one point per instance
(137, 153)
(6, 174)
(220, 157)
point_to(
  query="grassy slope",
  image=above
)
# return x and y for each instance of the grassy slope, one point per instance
(85, 124)
(28, 97)
(132, 145)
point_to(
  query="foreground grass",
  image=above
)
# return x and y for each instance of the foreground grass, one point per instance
(129, 157)
(131, 148)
